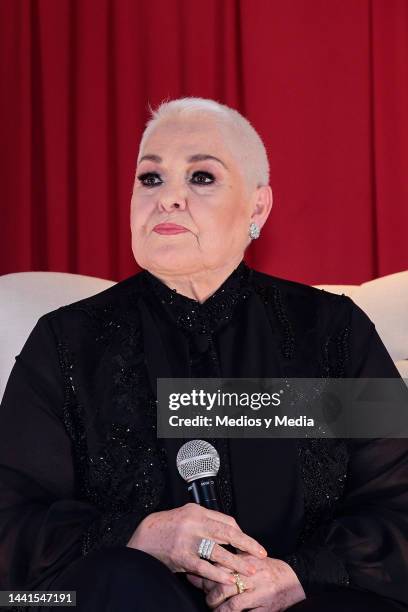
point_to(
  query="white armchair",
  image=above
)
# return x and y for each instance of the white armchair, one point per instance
(25, 296)
(385, 301)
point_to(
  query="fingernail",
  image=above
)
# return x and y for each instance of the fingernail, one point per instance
(263, 552)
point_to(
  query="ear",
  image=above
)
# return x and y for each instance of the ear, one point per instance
(261, 205)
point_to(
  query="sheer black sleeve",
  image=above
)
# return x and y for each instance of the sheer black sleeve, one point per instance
(366, 544)
(41, 522)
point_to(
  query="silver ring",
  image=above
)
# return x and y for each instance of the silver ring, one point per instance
(205, 549)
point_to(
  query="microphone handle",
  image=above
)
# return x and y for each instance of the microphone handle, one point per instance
(203, 491)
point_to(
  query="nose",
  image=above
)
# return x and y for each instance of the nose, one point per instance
(169, 206)
(170, 200)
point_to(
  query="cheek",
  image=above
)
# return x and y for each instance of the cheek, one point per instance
(217, 216)
(141, 210)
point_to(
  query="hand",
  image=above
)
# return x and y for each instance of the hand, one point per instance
(273, 588)
(173, 537)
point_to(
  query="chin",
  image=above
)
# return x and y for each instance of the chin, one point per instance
(171, 260)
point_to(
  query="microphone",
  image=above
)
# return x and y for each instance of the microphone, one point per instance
(198, 463)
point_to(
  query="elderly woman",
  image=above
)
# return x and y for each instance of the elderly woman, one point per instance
(90, 498)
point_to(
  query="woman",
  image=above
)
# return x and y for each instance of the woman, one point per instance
(91, 500)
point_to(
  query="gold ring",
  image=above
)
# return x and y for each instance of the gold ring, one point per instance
(239, 583)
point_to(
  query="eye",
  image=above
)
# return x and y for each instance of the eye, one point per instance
(150, 179)
(202, 178)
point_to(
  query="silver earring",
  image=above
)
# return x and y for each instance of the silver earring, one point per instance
(254, 231)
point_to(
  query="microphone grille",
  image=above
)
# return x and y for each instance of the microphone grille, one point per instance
(197, 459)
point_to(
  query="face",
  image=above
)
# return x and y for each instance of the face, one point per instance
(190, 207)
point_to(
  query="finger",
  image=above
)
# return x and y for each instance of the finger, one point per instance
(215, 515)
(202, 568)
(237, 563)
(237, 603)
(227, 534)
(208, 585)
(197, 581)
(204, 584)
(221, 592)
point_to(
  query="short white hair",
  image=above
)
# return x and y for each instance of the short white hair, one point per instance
(247, 146)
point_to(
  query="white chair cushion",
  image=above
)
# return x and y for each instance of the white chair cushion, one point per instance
(402, 366)
(339, 289)
(385, 301)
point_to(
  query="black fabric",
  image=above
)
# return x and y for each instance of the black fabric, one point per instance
(81, 465)
(121, 579)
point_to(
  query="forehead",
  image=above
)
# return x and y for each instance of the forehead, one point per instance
(186, 136)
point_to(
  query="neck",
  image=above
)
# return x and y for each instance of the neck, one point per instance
(199, 285)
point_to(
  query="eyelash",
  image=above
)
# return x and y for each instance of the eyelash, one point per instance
(146, 175)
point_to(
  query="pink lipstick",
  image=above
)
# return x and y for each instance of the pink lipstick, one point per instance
(169, 228)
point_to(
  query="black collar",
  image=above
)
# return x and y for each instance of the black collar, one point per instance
(217, 310)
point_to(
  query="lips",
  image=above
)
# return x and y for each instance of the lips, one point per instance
(169, 228)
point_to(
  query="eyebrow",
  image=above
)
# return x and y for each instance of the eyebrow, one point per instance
(193, 158)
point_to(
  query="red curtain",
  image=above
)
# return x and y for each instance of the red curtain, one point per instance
(324, 83)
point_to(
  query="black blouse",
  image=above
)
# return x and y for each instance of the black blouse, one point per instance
(81, 465)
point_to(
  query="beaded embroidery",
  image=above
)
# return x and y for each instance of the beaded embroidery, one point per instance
(323, 462)
(338, 346)
(215, 312)
(323, 467)
(271, 297)
(124, 477)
